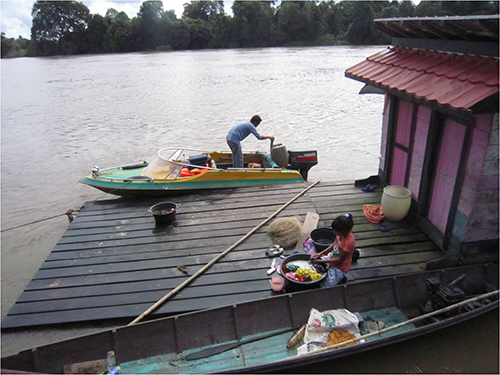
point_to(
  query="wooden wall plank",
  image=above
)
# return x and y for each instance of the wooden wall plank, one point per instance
(419, 147)
(450, 150)
(399, 162)
(479, 198)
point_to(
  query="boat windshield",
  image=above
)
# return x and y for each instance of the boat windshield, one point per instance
(169, 161)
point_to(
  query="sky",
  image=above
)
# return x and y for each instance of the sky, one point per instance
(15, 15)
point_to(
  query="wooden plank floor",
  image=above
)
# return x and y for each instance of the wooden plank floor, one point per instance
(113, 262)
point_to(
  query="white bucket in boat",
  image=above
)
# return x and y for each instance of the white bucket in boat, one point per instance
(279, 155)
(396, 202)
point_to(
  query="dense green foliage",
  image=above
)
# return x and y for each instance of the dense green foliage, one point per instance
(68, 27)
(14, 47)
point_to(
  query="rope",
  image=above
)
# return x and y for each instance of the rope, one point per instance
(373, 213)
(68, 213)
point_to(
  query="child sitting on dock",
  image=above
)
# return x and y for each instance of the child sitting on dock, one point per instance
(340, 252)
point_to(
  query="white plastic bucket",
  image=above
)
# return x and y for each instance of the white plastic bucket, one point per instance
(396, 202)
(279, 155)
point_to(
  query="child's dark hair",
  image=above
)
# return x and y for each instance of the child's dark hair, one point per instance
(343, 223)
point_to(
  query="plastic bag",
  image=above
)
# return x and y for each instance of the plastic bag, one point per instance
(308, 247)
(320, 324)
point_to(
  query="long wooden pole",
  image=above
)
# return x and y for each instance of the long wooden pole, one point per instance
(209, 264)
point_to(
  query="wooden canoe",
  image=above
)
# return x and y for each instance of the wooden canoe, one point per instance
(163, 345)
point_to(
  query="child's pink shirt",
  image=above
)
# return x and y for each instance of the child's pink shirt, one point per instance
(348, 245)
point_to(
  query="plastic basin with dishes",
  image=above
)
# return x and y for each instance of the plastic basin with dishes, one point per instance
(293, 285)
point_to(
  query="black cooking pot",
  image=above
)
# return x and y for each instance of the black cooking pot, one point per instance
(164, 212)
(322, 238)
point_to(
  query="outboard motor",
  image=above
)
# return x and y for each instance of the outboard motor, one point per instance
(443, 295)
(302, 160)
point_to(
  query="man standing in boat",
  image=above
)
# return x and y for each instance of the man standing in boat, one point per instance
(238, 133)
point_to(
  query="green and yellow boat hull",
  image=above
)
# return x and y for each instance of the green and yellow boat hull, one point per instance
(164, 176)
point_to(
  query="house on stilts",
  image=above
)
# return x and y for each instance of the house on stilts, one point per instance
(440, 127)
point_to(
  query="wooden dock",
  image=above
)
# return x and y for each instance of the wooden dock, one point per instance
(113, 262)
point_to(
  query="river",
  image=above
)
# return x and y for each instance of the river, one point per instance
(60, 116)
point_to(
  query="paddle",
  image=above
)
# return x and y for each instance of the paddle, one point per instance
(222, 348)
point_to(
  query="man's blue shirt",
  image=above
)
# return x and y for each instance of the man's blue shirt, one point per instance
(242, 130)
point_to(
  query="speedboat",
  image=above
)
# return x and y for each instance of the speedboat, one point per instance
(184, 169)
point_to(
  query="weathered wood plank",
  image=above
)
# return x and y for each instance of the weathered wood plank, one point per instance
(395, 260)
(392, 240)
(187, 221)
(117, 256)
(143, 297)
(218, 285)
(151, 240)
(113, 262)
(131, 277)
(371, 273)
(268, 205)
(237, 260)
(261, 240)
(130, 287)
(219, 204)
(127, 311)
(228, 213)
(190, 223)
(203, 197)
(384, 249)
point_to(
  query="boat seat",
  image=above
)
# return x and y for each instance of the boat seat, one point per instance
(224, 165)
(200, 160)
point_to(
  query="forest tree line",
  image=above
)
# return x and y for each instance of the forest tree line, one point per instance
(68, 27)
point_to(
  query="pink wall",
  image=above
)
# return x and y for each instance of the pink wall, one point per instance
(403, 129)
(399, 161)
(479, 197)
(385, 126)
(403, 132)
(419, 147)
(445, 175)
(477, 216)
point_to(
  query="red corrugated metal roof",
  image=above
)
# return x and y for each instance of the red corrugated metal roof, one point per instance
(459, 81)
